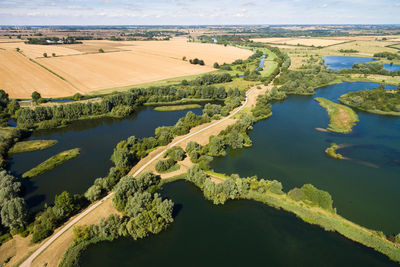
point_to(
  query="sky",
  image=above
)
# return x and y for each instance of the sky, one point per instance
(198, 12)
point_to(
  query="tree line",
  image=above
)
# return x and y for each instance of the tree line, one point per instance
(369, 68)
(377, 99)
(116, 105)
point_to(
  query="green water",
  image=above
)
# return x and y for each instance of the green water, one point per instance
(97, 139)
(239, 233)
(287, 148)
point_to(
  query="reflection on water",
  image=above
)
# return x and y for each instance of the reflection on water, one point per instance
(287, 147)
(97, 139)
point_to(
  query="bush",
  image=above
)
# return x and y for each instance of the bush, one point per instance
(176, 153)
(164, 165)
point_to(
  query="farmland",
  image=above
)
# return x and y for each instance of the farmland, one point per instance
(81, 68)
(300, 41)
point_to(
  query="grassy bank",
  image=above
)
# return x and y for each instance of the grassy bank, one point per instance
(331, 222)
(52, 162)
(177, 107)
(33, 145)
(342, 118)
(311, 206)
(331, 151)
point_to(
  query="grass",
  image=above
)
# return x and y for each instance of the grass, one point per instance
(28, 146)
(342, 118)
(330, 222)
(52, 162)
(331, 151)
(177, 107)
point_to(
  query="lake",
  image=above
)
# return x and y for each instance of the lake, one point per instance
(239, 233)
(338, 62)
(96, 139)
(287, 147)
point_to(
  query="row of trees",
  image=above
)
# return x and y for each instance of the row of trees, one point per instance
(369, 68)
(209, 79)
(116, 105)
(234, 187)
(388, 55)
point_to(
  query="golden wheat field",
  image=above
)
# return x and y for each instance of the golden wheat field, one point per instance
(84, 70)
(19, 77)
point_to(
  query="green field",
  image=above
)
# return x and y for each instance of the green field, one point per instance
(33, 145)
(52, 162)
(177, 107)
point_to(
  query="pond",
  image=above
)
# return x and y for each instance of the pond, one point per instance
(239, 233)
(338, 63)
(287, 147)
(96, 139)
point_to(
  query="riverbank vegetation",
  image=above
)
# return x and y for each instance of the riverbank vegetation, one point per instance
(312, 205)
(117, 105)
(331, 151)
(13, 209)
(32, 145)
(177, 107)
(306, 80)
(369, 68)
(378, 100)
(52, 162)
(143, 212)
(342, 118)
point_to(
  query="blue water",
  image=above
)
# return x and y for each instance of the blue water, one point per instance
(287, 147)
(97, 139)
(238, 233)
(338, 63)
(261, 63)
(392, 67)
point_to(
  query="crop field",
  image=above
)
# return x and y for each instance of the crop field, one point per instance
(35, 51)
(299, 55)
(81, 68)
(300, 41)
(19, 77)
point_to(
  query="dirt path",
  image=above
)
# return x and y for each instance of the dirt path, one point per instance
(46, 254)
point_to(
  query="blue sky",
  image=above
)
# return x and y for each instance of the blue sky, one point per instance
(189, 12)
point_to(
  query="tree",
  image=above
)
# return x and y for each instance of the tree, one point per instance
(45, 54)
(101, 50)
(66, 204)
(17, 49)
(184, 58)
(14, 213)
(53, 54)
(77, 96)
(216, 65)
(13, 106)
(36, 96)
(3, 100)
(93, 193)
(137, 203)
